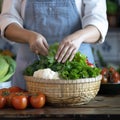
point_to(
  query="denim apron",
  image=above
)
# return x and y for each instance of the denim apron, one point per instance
(54, 19)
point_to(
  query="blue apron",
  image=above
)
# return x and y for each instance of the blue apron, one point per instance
(54, 19)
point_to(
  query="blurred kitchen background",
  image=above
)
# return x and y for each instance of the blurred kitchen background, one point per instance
(106, 53)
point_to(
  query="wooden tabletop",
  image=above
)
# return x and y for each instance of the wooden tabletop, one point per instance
(102, 106)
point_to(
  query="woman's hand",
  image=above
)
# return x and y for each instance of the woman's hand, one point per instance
(38, 44)
(36, 41)
(67, 48)
(70, 45)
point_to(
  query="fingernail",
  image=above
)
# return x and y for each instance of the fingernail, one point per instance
(59, 61)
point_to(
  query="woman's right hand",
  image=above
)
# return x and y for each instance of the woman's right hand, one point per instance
(38, 44)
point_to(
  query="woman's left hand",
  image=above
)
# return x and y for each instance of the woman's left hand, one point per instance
(67, 48)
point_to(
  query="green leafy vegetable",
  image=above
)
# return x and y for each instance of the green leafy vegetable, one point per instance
(4, 66)
(11, 70)
(7, 68)
(76, 69)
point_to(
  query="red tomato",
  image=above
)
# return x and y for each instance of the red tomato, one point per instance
(15, 89)
(116, 80)
(27, 94)
(104, 79)
(112, 70)
(9, 99)
(115, 74)
(19, 102)
(4, 91)
(116, 77)
(2, 101)
(104, 72)
(38, 100)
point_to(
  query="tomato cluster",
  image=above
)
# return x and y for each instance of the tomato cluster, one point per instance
(19, 99)
(110, 75)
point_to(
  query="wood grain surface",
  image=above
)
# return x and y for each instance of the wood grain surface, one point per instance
(102, 107)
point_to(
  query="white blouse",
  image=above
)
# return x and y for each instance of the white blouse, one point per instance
(92, 12)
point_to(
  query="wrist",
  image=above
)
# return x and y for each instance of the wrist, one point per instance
(30, 35)
(79, 35)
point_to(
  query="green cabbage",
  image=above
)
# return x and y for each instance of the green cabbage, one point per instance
(8, 61)
(4, 66)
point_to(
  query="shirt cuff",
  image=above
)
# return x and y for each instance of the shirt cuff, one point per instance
(103, 28)
(3, 26)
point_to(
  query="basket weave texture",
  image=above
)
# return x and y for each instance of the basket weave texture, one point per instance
(65, 92)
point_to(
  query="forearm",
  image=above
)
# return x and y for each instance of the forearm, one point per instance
(90, 34)
(36, 41)
(17, 34)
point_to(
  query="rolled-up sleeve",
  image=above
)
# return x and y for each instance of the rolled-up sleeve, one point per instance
(11, 13)
(94, 13)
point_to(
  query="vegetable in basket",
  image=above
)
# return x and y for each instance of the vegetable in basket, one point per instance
(78, 68)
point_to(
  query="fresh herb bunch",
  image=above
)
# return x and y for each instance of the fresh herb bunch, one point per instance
(75, 69)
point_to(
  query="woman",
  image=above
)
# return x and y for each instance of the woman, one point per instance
(35, 24)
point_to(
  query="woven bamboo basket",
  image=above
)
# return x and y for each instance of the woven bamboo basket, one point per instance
(65, 92)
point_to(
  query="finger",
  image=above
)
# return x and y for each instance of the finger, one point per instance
(36, 51)
(32, 48)
(45, 44)
(42, 49)
(46, 47)
(68, 54)
(59, 51)
(40, 46)
(63, 53)
(72, 55)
